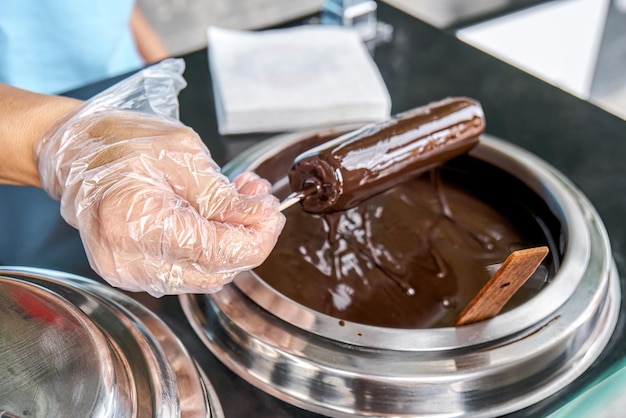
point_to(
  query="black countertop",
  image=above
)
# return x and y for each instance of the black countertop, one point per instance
(420, 64)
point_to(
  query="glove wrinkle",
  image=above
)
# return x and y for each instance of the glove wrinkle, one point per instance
(154, 212)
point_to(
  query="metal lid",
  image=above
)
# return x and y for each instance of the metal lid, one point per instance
(74, 347)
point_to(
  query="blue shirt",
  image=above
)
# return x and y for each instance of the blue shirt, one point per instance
(51, 46)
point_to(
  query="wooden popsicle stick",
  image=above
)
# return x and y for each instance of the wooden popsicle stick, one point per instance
(513, 273)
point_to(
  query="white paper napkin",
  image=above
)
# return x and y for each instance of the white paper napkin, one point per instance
(288, 79)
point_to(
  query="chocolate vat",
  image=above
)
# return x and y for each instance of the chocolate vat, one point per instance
(481, 370)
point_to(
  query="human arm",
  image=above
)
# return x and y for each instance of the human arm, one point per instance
(149, 44)
(152, 208)
(25, 118)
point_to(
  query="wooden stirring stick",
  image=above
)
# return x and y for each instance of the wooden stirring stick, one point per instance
(513, 273)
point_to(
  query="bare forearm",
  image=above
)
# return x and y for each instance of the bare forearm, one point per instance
(24, 118)
(148, 42)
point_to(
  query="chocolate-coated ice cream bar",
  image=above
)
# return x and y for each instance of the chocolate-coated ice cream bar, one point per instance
(344, 172)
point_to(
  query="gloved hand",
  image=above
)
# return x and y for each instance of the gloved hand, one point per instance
(152, 208)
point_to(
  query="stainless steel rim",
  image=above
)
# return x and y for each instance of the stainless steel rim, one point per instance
(485, 369)
(563, 200)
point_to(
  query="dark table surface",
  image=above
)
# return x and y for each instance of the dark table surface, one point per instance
(420, 64)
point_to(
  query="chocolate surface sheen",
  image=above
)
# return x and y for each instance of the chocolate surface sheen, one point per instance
(360, 164)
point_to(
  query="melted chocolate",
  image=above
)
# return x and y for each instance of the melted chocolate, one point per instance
(411, 257)
(353, 167)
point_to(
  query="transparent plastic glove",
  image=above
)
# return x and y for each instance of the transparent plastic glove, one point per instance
(152, 208)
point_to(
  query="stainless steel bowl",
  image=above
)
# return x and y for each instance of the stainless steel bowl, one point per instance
(481, 370)
(73, 347)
